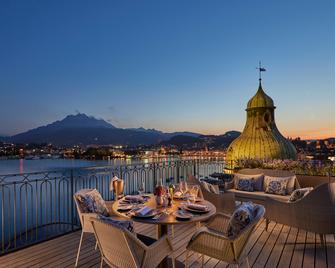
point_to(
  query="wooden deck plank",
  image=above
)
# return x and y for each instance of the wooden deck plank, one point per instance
(320, 253)
(256, 250)
(270, 244)
(286, 256)
(280, 246)
(309, 252)
(330, 244)
(298, 254)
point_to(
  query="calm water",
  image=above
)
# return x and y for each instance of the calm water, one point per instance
(26, 166)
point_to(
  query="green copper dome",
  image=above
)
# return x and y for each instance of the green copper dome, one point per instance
(260, 138)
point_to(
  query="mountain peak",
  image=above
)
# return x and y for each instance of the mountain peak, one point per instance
(81, 120)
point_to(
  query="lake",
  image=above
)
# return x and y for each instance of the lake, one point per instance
(26, 166)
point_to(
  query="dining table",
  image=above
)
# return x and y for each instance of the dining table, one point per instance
(167, 216)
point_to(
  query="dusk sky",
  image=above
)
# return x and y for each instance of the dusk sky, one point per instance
(169, 65)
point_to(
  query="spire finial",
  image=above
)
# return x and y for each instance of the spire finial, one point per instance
(260, 69)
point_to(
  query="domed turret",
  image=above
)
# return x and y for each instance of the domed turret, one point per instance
(260, 138)
(260, 99)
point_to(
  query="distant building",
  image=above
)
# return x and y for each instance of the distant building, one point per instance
(260, 138)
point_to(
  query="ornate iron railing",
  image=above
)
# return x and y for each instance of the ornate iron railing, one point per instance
(38, 206)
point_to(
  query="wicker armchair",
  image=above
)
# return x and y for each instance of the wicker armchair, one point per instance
(86, 226)
(314, 213)
(121, 248)
(224, 202)
(212, 240)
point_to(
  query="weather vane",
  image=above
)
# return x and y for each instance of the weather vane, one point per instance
(261, 69)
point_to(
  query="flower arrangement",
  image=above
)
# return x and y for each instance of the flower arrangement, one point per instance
(159, 190)
(305, 167)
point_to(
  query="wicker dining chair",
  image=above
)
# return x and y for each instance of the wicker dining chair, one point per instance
(213, 241)
(224, 202)
(121, 248)
(86, 226)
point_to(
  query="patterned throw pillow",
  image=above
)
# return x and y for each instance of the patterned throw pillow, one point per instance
(210, 187)
(241, 218)
(278, 187)
(258, 180)
(299, 194)
(213, 188)
(123, 224)
(245, 185)
(92, 202)
(291, 182)
(205, 185)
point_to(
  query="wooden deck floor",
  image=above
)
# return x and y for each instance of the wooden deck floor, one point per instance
(280, 246)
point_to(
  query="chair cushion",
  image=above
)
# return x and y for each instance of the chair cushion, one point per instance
(277, 187)
(214, 188)
(245, 184)
(241, 218)
(291, 182)
(92, 202)
(123, 224)
(210, 187)
(258, 180)
(299, 194)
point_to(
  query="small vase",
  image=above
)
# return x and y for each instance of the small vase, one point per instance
(159, 200)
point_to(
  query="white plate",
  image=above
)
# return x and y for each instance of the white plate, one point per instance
(183, 215)
(197, 210)
(125, 207)
(152, 214)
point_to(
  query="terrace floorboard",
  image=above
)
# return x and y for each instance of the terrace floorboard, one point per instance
(280, 246)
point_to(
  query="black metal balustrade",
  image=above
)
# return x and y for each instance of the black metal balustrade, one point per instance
(38, 206)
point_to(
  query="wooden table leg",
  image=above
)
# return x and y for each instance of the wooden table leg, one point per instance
(163, 230)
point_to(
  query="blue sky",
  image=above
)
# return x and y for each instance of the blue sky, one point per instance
(170, 65)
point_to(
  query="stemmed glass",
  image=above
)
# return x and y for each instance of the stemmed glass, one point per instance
(141, 187)
(183, 187)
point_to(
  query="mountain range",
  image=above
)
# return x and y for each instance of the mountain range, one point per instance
(81, 129)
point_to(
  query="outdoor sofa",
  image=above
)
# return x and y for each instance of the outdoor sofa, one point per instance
(260, 196)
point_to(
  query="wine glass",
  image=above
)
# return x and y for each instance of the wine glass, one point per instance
(183, 187)
(141, 187)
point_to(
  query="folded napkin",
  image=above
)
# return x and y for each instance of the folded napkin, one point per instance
(197, 207)
(144, 211)
(134, 198)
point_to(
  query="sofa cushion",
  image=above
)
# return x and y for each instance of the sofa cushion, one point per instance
(292, 182)
(240, 219)
(299, 194)
(277, 187)
(257, 195)
(245, 184)
(258, 180)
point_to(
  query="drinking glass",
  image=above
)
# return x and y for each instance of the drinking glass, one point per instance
(183, 187)
(141, 187)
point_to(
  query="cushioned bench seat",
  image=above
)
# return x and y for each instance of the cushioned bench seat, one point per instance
(256, 196)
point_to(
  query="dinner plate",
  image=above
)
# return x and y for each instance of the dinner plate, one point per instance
(125, 207)
(182, 215)
(197, 210)
(152, 214)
